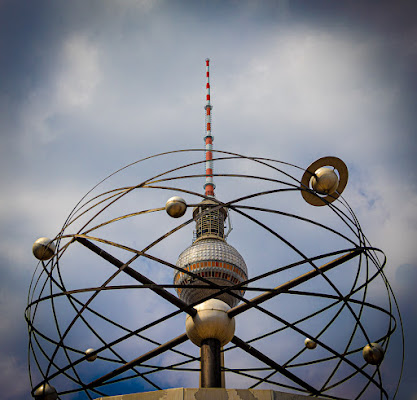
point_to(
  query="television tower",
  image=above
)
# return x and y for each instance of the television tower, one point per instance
(212, 258)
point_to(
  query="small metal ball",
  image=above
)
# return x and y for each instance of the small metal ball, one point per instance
(43, 248)
(310, 344)
(324, 181)
(45, 392)
(91, 358)
(176, 207)
(373, 353)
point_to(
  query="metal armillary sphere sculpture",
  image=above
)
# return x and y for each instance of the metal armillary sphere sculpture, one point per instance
(292, 306)
(324, 284)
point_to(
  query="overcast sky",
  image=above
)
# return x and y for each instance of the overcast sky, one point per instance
(89, 86)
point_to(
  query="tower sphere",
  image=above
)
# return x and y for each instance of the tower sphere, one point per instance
(373, 353)
(91, 358)
(215, 260)
(210, 257)
(310, 343)
(324, 181)
(45, 392)
(176, 207)
(43, 248)
(210, 322)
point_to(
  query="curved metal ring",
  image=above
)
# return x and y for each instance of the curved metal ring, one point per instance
(312, 197)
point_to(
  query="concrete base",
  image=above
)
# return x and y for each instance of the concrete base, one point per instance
(209, 394)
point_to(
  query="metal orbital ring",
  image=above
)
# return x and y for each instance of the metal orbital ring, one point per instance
(313, 198)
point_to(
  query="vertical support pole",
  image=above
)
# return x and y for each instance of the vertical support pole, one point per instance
(211, 376)
(222, 367)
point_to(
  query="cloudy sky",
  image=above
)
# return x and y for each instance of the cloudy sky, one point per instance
(89, 86)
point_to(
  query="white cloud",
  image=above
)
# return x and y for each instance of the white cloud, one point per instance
(387, 209)
(36, 211)
(309, 91)
(70, 90)
(80, 73)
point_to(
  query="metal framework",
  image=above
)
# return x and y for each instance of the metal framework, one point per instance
(335, 370)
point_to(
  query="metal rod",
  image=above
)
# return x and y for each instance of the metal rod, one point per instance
(211, 376)
(137, 361)
(138, 276)
(262, 357)
(294, 282)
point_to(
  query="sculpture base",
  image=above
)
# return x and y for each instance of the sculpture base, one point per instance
(209, 394)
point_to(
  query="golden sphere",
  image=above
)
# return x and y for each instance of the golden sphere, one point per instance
(373, 353)
(324, 181)
(43, 248)
(176, 207)
(310, 344)
(45, 392)
(210, 322)
(91, 358)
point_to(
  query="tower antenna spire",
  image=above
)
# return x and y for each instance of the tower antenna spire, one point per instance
(208, 139)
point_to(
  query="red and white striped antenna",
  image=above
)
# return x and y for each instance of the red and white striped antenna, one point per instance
(208, 139)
